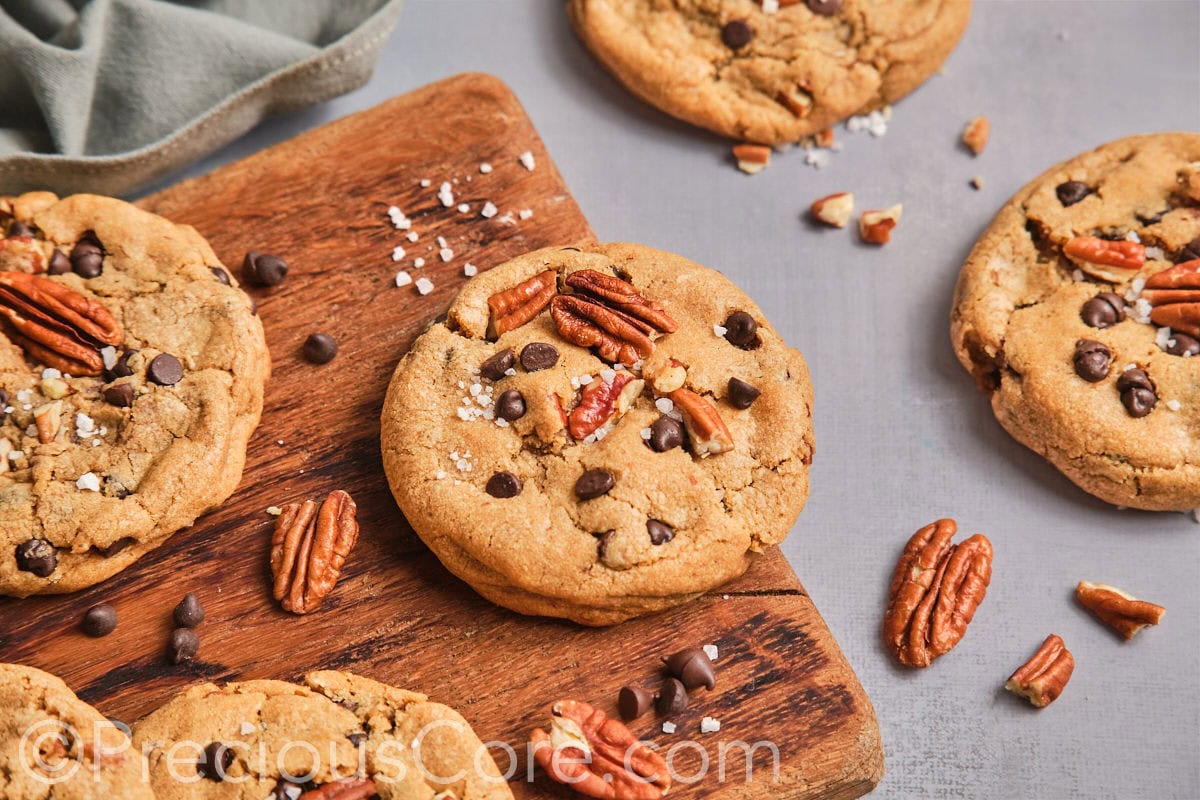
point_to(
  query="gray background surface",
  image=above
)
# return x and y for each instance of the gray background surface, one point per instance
(903, 436)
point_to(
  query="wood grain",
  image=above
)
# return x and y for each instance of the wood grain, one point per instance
(320, 201)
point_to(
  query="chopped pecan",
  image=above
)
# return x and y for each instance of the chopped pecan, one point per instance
(1104, 259)
(48, 420)
(21, 254)
(598, 756)
(1042, 678)
(617, 338)
(57, 326)
(799, 101)
(936, 588)
(603, 402)
(706, 430)
(751, 158)
(1174, 295)
(309, 548)
(1122, 612)
(834, 210)
(513, 307)
(975, 135)
(875, 227)
(665, 378)
(349, 789)
(622, 296)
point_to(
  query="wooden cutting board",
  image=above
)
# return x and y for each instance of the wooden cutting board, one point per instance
(320, 201)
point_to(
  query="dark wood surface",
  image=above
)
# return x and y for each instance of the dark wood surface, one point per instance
(320, 201)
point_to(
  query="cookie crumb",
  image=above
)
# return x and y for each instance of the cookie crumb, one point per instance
(424, 285)
(977, 182)
(975, 135)
(527, 161)
(403, 278)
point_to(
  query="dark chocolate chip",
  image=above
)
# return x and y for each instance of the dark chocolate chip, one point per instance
(189, 613)
(87, 256)
(184, 645)
(660, 532)
(741, 394)
(121, 369)
(215, 762)
(221, 275)
(1092, 360)
(593, 483)
(741, 330)
(1180, 344)
(736, 34)
(18, 228)
(320, 348)
(119, 394)
(165, 370)
(503, 485)
(495, 367)
(602, 540)
(3, 397)
(537, 356)
(665, 434)
(1137, 392)
(37, 556)
(263, 269)
(633, 701)
(59, 263)
(357, 738)
(1190, 251)
(1072, 192)
(1104, 310)
(693, 667)
(672, 697)
(826, 8)
(510, 405)
(120, 544)
(1152, 219)
(100, 620)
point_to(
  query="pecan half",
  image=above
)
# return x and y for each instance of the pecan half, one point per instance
(56, 325)
(603, 402)
(622, 296)
(349, 789)
(936, 588)
(309, 548)
(706, 430)
(513, 307)
(597, 756)
(1122, 612)
(1174, 296)
(618, 339)
(1104, 259)
(1042, 678)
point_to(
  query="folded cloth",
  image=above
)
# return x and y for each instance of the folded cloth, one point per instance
(106, 95)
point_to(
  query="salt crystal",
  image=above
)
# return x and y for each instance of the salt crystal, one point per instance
(424, 285)
(646, 432)
(397, 253)
(441, 240)
(470, 270)
(770, 6)
(446, 253)
(50, 372)
(418, 262)
(1174, 405)
(109, 356)
(403, 279)
(485, 168)
(664, 405)
(489, 210)
(525, 213)
(88, 482)
(719, 330)
(463, 208)
(426, 183)
(501, 422)
(710, 725)
(1132, 236)
(446, 194)
(584, 380)
(1155, 254)
(413, 236)
(527, 161)
(1163, 338)
(669, 727)
(247, 728)
(608, 375)
(710, 650)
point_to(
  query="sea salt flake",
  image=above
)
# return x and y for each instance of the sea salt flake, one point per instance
(1132, 236)
(418, 262)
(525, 213)
(719, 330)
(403, 279)
(485, 168)
(646, 432)
(446, 194)
(770, 6)
(710, 650)
(527, 161)
(1163, 338)
(1174, 405)
(413, 236)
(424, 285)
(710, 725)
(470, 270)
(669, 727)
(664, 405)
(489, 210)
(50, 372)
(446, 254)
(441, 240)
(426, 183)
(1155, 254)
(397, 253)
(88, 482)
(109, 356)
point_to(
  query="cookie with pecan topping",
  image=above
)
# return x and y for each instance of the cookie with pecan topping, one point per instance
(619, 475)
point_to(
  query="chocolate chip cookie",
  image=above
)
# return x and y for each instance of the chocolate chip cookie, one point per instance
(54, 746)
(599, 432)
(272, 739)
(770, 71)
(131, 377)
(1079, 312)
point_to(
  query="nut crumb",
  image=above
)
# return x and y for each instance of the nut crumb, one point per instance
(975, 135)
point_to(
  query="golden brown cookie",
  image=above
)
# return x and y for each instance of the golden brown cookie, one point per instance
(131, 373)
(1079, 312)
(599, 432)
(769, 71)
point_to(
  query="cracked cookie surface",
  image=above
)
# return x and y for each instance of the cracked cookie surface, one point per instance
(1079, 356)
(798, 71)
(104, 457)
(605, 525)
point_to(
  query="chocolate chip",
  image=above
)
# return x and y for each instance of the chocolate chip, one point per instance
(672, 697)
(1180, 344)
(495, 367)
(665, 434)
(736, 34)
(1137, 392)
(1072, 192)
(357, 738)
(184, 645)
(100, 620)
(602, 541)
(1190, 251)
(741, 330)
(1091, 360)
(165, 370)
(320, 348)
(215, 762)
(537, 356)
(119, 394)
(18, 228)
(59, 263)
(503, 485)
(826, 8)
(633, 701)
(593, 483)
(741, 394)
(660, 532)
(693, 667)
(263, 269)
(189, 613)
(1104, 310)
(3, 398)
(37, 556)
(120, 544)
(221, 275)
(510, 405)
(87, 256)
(121, 369)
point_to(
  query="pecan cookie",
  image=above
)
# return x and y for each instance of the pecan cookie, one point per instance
(770, 71)
(599, 432)
(54, 746)
(1079, 312)
(131, 377)
(335, 735)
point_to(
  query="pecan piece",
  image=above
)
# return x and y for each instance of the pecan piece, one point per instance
(603, 402)
(622, 296)
(706, 430)
(48, 421)
(936, 588)
(1042, 678)
(513, 307)
(1174, 296)
(21, 254)
(56, 325)
(1122, 612)
(1104, 259)
(349, 789)
(618, 339)
(597, 756)
(308, 549)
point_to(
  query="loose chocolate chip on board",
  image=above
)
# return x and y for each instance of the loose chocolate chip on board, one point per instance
(660, 532)
(37, 556)
(119, 394)
(503, 485)
(221, 275)
(741, 394)
(1092, 360)
(100, 620)
(693, 667)
(183, 646)
(741, 330)
(1180, 344)
(1190, 251)
(593, 483)
(510, 405)
(165, 370)
(633, 701)
(736, 34)
(87, 256)
(537, 356)
(1104, 310)
(18, 228)
(1137, 392)
(59, 263)
(495, 367)
(263, 269)
(672, 697)
(189, 613)
(320, 348)
(826, 8)
(1072, 192)
(215, 762)
(665, 434)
